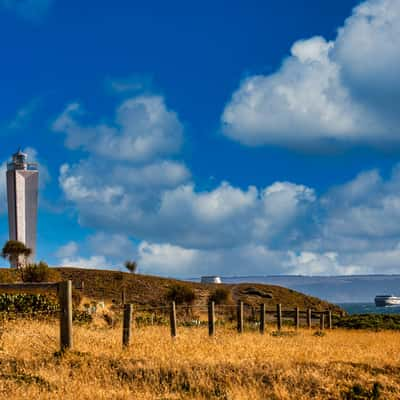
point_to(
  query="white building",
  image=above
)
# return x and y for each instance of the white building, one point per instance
(211, 279)
(22, 198)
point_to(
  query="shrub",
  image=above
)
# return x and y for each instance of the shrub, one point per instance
(27, 303)
(131, 266)
(369, 321)
(35, 272)
(220, 296)
(181, 294)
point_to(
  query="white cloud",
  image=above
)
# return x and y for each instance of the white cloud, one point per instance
(167, 259)
(368, 53)
(98, 262)
(327, 92)
(143, 130)
(185, 230)
(116, 246)
(100, 250)
(184, 216)
(309, 263)
(69, 249)
(368, 207)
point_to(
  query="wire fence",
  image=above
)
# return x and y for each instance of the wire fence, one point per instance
(238, 316)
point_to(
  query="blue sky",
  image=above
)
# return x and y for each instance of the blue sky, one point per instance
(257, 137)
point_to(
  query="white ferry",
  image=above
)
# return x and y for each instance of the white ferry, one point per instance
(384, 300)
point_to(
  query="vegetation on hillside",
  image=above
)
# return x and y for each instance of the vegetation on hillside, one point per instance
(220, 295)
(369, 321)
(152, 290)
(180, 294)
(39, 272)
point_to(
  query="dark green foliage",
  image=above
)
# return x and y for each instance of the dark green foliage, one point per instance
(369, 321)
(220, 296)
(131, 266)
(23, 304)
(27, 304)
(181, 294)
(35, 273)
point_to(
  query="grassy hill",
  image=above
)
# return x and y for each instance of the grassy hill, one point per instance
(152, 290)
(103, 285)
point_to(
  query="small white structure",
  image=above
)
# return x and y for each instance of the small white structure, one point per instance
(210, 279)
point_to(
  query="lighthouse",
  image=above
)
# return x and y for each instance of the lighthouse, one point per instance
(22, 199)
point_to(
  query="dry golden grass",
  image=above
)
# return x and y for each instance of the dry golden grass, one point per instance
(193, 366)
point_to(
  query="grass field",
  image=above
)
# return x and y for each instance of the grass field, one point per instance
(338, 365)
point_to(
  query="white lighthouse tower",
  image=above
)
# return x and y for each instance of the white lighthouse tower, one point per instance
(22, 198)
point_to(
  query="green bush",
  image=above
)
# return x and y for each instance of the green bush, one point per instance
(35, 273)
(369, 321)
(220, 296)
(180, 294)
(27, 304)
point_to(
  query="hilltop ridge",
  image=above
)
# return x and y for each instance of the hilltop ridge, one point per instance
(151, 290)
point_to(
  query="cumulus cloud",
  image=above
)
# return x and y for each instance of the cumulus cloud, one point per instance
(283, 228)
(114, 247)
(327, 92)
(143, 129)
(69, 249)
(368, 207)
(68, 256)
(224, 216)
(150, 209)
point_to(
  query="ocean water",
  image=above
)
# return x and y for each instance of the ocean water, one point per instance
(368, 308)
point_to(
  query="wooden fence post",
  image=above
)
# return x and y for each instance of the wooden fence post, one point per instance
(297, 318)
(330, 319)
(240, 317)
(279, 316)
(322, 321)
(173, 319)
(262, 318)
(123, 296)
(211, 318)
(65, 299)
(127, 325)
(309, 318)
